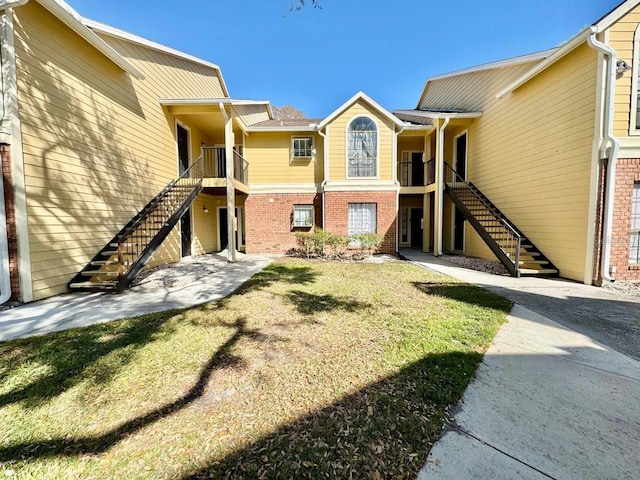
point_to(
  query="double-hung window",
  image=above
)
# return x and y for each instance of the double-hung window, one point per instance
(301, 148)
(362, 147)
(302, 216)
(634, 241)
(362, 218)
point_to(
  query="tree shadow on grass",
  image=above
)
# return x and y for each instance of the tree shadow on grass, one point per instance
(382, 431)
(77, 355)
(463, 292)
(288, 273)
(310, 303)
(65, 447)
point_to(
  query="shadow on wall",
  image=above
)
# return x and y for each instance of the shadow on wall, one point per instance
(83, 183)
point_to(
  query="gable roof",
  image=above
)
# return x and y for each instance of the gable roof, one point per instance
(67, 15)
(509, 62)
(116, 32)
(360, 96)
(547, 57)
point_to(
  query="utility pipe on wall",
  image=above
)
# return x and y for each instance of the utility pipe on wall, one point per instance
(610, 184)
(397, 184)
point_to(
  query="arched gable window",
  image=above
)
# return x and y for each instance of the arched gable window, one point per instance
(362, 154)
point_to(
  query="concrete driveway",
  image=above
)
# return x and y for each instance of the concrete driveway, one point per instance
(548, 401)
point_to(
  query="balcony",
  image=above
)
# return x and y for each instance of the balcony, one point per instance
(215, 168)
(417, 174)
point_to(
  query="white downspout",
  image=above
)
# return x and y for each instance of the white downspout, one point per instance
(397, 184)
(613, 154)
(441, 185)
(5, 275)
(325, 164)
(5, 280)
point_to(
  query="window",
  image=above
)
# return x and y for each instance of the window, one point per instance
(362, 218)
(301, 148)
(302, 216)
(362, 140)
(634, 242)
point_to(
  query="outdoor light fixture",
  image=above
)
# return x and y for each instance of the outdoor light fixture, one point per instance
(205, 209)
(622, 67)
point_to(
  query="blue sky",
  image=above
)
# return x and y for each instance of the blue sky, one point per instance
(316, 59)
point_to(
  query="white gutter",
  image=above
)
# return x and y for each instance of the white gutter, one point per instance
(326, 174)
(614, 143)
(441, 184)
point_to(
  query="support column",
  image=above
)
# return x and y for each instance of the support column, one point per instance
(439, 194)
(426, 222)
(231, 194)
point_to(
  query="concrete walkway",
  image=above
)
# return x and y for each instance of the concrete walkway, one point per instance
(82, 309)
(547, 401)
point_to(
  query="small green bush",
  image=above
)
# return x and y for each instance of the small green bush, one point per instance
(368, 241)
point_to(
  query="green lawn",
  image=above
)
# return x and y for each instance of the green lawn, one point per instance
(311, 370)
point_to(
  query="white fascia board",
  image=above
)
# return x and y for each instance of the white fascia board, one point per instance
(283, 128)
(509, 62)
(74, 21)
(117, 33)
(615, 15)
(438, 115)
(568, 47)
(411, 127)
(210, 101)
(359, 96)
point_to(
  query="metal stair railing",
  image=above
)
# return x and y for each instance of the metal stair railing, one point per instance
(504, 240)
(156, 224)
(133, 246)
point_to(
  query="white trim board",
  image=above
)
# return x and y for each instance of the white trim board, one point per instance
(360, 96)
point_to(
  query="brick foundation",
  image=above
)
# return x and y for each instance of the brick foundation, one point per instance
(627, 173)
(337, 214)
(5, 155)
(268, 222)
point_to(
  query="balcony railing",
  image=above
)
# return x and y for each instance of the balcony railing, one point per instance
(417, 174)
(215, 164)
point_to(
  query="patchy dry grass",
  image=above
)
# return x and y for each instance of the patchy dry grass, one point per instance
(311, 370)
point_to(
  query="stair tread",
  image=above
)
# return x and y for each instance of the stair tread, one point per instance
(92, 284)
(534, 271)
(96, 273)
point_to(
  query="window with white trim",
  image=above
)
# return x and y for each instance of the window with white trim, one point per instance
(634, 241)
(302, 216)
(301, 148)
(634, 117)
(362, 147)
(362, 218)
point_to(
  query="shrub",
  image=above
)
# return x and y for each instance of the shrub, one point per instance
(368, 241)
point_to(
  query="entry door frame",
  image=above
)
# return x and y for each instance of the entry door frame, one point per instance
(454, 210)
(239, 231)
(409, 160)
(189, 212)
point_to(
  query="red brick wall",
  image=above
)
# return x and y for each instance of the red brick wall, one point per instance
(627, 173)
(269, 218)
(5, 156)
(337, 211)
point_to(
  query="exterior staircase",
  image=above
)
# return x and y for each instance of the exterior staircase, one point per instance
(516, 252)
(123, 257)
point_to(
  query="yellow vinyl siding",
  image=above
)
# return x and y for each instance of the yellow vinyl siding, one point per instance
(337, 137)
(97, 144)
(530, 153)
(251, 114)
(621, 38)
(269, 155)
